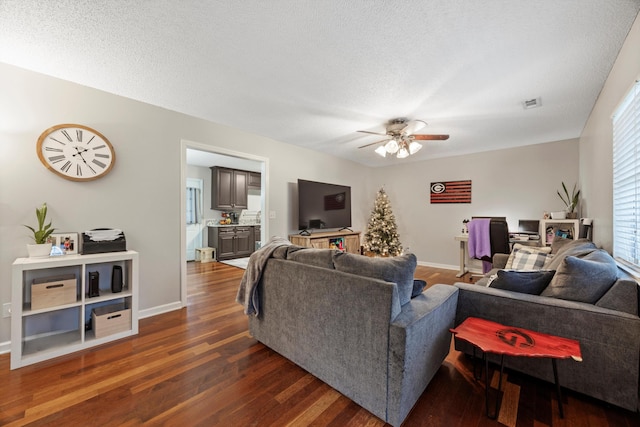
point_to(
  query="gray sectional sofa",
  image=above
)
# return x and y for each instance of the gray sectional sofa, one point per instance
(352, 322)
(581, 300)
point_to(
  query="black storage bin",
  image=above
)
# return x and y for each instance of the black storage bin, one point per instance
(87, 246)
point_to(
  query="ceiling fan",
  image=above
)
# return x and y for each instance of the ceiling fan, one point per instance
(400, 139)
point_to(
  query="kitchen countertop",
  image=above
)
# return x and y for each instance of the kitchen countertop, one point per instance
(232, 225)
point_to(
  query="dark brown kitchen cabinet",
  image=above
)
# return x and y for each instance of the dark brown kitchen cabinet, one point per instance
(231, 242)
(255, 181)
(228, 188)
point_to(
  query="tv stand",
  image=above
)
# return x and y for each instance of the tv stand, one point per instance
(305, 232)
(345, 228)
(324, 239)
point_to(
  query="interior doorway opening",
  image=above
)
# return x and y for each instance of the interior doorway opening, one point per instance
(196, 161)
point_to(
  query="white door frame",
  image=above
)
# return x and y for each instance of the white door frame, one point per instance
(264, 184)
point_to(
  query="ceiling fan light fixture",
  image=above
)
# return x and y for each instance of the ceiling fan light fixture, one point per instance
(414, 147)
(403, 152)
(391, 146)
(400, 139)
(413, 126)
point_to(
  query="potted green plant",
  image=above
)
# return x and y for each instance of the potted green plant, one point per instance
(570, 200)
(42, 246)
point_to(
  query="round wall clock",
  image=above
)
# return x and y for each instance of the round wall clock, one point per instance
(76, 152)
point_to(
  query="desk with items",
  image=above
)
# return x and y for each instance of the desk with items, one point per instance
(530, 232)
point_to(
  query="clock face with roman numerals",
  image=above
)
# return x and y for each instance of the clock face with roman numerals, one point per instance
(76, 152)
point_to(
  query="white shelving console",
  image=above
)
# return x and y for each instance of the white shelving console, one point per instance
(563, 223)
(45, 333)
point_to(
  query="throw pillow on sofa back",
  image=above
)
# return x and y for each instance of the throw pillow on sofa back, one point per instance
(520, 247)
(418, 287)
(397, 269)
(525, 282)
(525, 260)
(584, 279)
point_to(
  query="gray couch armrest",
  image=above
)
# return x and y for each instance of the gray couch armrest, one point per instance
(609, 339)
(419, 341)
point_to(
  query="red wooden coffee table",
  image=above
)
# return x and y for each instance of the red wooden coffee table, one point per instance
(492, 337)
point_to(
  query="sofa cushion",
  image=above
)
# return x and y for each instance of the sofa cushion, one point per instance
(318, 257)
(525, 282)
(622, 296)
(520, 247)
(577, 248)
(525, 260)
(584, 279)
(559, 244)
(398, 269)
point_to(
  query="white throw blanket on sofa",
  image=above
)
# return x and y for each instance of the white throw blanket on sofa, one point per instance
(247, 292)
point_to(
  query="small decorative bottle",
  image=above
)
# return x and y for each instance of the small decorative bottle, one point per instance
(465, 228)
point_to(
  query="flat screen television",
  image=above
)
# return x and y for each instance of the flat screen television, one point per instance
(322, 205)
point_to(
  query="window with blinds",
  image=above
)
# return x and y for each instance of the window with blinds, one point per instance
(626, 179)
(194, 208)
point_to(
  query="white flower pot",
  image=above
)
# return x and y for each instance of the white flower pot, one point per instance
(39, 251)
(559, 215)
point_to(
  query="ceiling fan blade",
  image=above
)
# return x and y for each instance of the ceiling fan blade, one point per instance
(372, 133)
(374, 143)
(430, 137)
(413, 126)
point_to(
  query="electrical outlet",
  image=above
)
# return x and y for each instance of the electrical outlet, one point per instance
(272, 214)
(6, 309)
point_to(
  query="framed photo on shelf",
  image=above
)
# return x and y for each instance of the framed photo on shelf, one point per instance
(65, 243)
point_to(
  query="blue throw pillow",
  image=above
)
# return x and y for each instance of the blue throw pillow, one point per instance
(418, 287)
(525, 282)
(584, 279)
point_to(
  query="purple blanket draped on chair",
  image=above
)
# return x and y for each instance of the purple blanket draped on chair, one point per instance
(480, 241)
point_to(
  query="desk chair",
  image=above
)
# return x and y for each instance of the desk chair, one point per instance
(498, 238)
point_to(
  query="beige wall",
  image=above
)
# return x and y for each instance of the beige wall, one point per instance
(519, 183)
(596, 141)
(141, 195)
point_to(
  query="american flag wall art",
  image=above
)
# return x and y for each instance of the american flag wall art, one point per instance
(451, 192)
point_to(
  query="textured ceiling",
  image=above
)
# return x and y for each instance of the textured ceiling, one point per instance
(312, 73)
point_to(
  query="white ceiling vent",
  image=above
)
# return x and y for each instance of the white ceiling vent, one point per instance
(528, 104)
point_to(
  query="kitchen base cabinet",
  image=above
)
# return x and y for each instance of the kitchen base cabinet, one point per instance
(232, 242)
(62, 324)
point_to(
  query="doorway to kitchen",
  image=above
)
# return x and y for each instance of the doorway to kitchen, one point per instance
(196, 162)
(194, 214)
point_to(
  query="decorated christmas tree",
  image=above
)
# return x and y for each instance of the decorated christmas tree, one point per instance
(381, 237)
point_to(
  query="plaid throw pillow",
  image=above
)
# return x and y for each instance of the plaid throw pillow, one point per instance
(520, 247)
(525, 260)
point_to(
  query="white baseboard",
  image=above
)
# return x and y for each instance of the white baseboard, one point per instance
(154, 311)
(5, 347)
(436, 265)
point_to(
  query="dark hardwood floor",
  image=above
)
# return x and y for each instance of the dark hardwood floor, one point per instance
(199, 367)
